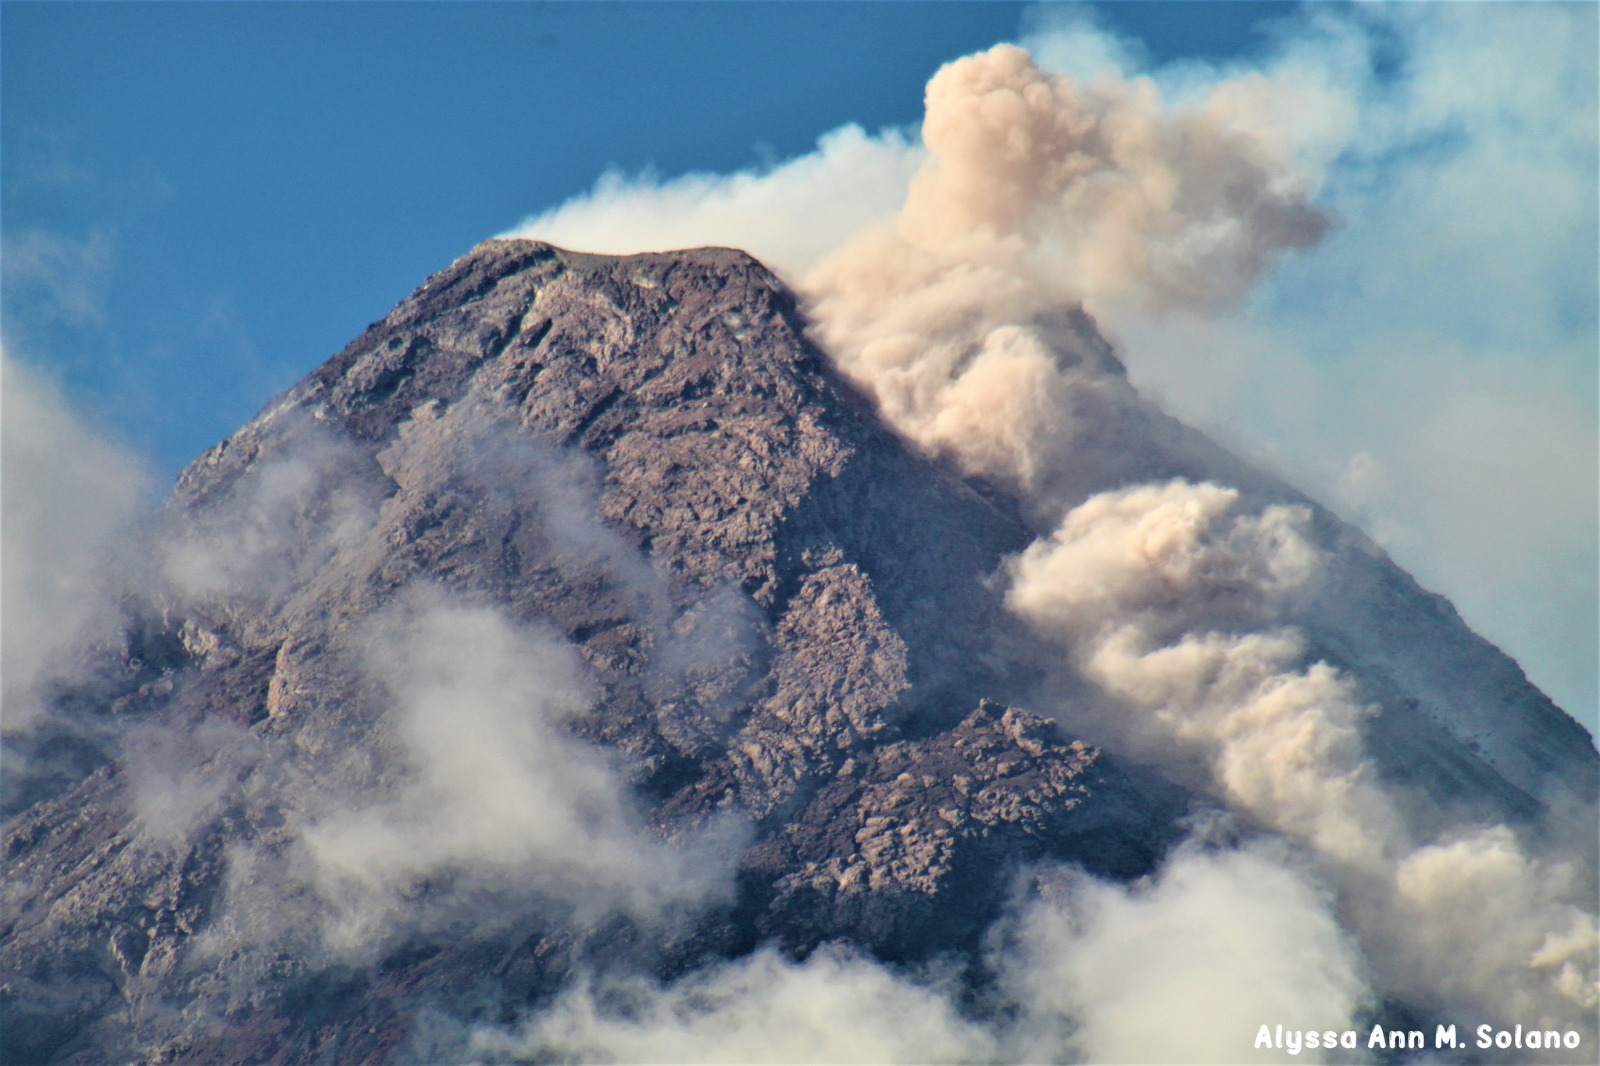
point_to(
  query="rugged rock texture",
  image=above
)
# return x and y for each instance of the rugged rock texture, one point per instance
(638, 453)
(900, 847)
(787, 614)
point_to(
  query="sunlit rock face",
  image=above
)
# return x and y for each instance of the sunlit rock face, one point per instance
(578, 618)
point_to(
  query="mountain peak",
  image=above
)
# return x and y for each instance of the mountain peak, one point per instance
(580, 616)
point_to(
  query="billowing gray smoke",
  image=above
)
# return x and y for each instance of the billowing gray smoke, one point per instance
(1151, 591)
(1172, 599)
(1036, 195)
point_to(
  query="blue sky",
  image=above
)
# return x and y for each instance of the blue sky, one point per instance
(201, 202)
(228, 193)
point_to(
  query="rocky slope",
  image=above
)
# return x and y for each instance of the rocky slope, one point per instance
(792, 647)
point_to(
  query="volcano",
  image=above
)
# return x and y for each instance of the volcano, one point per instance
(580, 618)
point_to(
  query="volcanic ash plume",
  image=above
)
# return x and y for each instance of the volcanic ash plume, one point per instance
(1164, 599)
(964, 317)
(1137, 583)
(1037, 194)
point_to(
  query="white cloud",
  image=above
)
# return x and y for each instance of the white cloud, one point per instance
(456, 795)
(1185, 967)
(67, 276)
(833, 1007)
(175, 778)
(68, 498)
(301, 504)
(1475, 920)
(788, 216)
(490, 789)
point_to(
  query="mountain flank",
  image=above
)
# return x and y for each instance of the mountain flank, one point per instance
(736, 592)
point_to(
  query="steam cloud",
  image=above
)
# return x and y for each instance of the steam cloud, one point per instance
(493, 786)
(69, 500)
(470, 804)
(70, 496)
(834, 1007)
(1222, 937)
(266, 542)
(1216, 941)
(789, 216)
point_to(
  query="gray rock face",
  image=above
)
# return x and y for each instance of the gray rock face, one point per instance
(785, 620)
(783, 608)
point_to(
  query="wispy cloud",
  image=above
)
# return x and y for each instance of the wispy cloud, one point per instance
(490, 789)
(789, 215)
(70, 499)
(836, 1006)
(458, 795)
(56, 278)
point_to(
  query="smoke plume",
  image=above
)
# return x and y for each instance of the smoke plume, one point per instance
(1159, 205)
(1140, 586)
(1429, 369)
(1166, 600)
(1039, 193)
